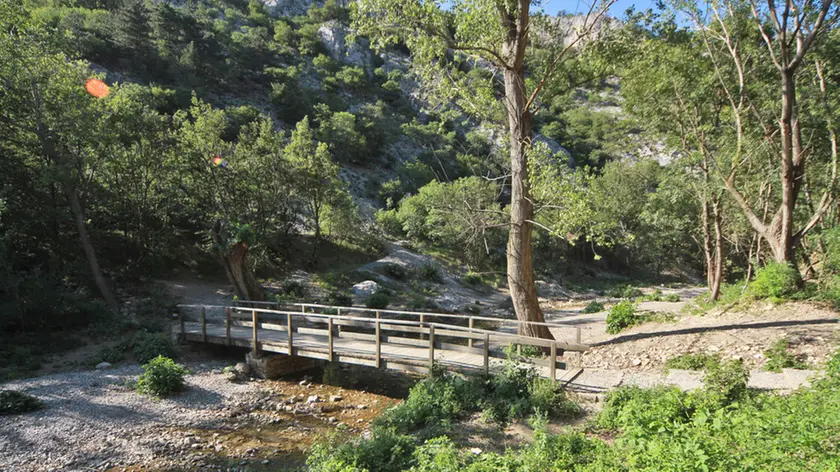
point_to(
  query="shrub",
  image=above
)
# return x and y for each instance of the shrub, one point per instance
(671, 297)
(471, 279)
(146, 346)
(378, 301)
(727, 380)
(340, 299)
(395, 271)
(775, 281)
(111, 354)
(624, 291)
(431, 272)
(779, 357)
(593, 307)
(13, 402)
(161, 376)
(294, 290)
(622, 315)
(698, 361)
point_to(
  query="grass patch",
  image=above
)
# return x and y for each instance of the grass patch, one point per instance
(779, 357)
(692, 361)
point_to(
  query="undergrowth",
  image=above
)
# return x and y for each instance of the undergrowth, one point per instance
(779, 357)
(721, 427)
(13, 402)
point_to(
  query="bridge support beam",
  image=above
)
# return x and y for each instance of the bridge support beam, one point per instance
(273, 366)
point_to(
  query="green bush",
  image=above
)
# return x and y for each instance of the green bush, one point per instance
(13, 402)
(471, 279)
(294, 290)
(161, 376)
(431, 272)
(775, 281)
(593, 307)
(727, 380)
(395, 271)
(340, 299)
(378, 301)
(111, 354)
(698, 361)
(779, 357)
(146, 346)
(671, 297)
(624, 291)
(622, 315)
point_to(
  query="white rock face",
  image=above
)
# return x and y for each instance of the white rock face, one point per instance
(364, 289)
(334, 38)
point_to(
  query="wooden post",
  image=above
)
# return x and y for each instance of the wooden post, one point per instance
(378, 315)
(227, 326)
(338, 311)
(181, 320)
(553, 367)
(579, 355)
(303, 308)
(203, 324)
(422, 320)
(290, 329)
(378, 344)
(472, 325)
(486, 353)
(330, 328)
(431, 348)
(256, 324)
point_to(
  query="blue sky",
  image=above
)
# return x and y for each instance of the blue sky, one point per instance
(617, 10)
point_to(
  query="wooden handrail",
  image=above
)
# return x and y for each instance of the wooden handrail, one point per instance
(412, 313)
(475, 333)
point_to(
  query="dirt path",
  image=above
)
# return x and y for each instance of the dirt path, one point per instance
(813, 332)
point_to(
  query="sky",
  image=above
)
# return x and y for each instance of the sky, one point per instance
(581, 6)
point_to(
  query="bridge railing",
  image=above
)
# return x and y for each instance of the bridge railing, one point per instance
(434, 336)
(421, 315)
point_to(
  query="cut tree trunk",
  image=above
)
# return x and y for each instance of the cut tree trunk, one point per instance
(520, 269)
(235, 261)
(87, 247)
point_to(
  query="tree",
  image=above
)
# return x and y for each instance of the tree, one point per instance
(50, 120)
(315, 173)
(498, 32)
(742, 37)
(132, 32)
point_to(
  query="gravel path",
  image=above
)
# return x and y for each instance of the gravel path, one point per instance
(93, 421)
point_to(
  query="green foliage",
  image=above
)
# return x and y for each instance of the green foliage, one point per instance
(624, 291)
(695, 361)
(431, 272)
(472, 279)
(775, 281)
(395, 271)
(378, 301)
(340, 299)
(147, 346)
(161, 376)
(622, 315)
(593, 307)
(111, 354)
(779, 357)
(13, 402)
(671, 297)
(727, 380)
(293, 290)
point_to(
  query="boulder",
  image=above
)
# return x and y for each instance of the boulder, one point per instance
(334, 38)
(365, 289)
(103, 365)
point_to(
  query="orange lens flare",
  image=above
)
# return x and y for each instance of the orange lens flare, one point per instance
(97, 88)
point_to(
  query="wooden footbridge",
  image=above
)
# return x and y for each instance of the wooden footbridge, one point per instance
(389, 339)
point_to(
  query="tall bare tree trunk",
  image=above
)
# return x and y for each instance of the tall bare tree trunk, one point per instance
(87, 247)
(520, 268)
(783, 248)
